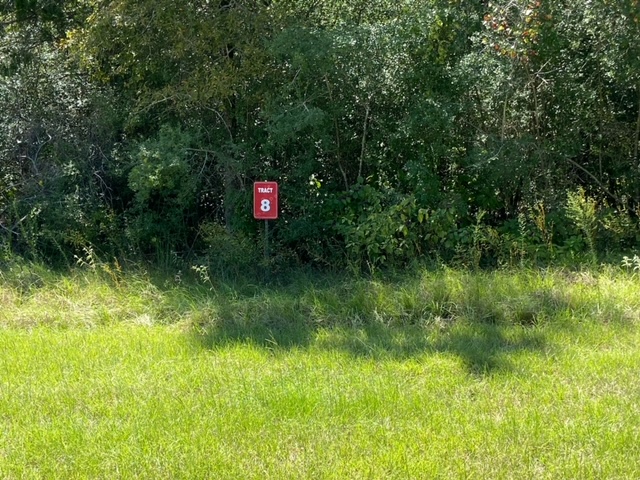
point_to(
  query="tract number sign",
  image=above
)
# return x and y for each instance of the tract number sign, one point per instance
(265, 200)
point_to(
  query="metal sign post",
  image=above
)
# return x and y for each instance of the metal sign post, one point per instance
(265, 207)
(266, 239)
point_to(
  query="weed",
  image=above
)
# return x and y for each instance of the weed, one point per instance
(93, 263)
(631, 263)
(582, 211)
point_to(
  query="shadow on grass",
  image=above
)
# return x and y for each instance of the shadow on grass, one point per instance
(486, 348)
(486, 320)
(483, 348)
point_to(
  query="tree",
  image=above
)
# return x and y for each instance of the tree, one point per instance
(55, 191)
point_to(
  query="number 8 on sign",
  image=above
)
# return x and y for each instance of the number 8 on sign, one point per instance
(265, 200)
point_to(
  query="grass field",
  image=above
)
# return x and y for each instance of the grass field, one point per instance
(447, 374)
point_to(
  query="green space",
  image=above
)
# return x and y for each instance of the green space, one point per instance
(486, 134)
(433, 374)
(451, 287)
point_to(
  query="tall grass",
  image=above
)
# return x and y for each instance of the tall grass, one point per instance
(33, 296)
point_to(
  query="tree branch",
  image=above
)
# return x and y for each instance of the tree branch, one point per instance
(594, 178)
(364, 138)
(637, 142)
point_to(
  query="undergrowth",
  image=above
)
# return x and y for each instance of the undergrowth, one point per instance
(98, 293)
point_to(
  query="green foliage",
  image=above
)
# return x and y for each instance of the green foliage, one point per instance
(56, 193)
(399, 131)
(632, 263)
(377, 233)
(163, 178)
(582, 210)
(228, 255)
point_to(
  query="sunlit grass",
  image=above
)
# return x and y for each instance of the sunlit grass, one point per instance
(438, 375)
(37, 297)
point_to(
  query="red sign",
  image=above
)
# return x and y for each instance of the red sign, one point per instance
(265, 200)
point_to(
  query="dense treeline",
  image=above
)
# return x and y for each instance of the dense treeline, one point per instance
(470, 131)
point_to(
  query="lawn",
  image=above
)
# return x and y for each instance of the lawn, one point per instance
(444, 374)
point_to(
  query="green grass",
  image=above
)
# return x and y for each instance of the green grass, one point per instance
(447, 374)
